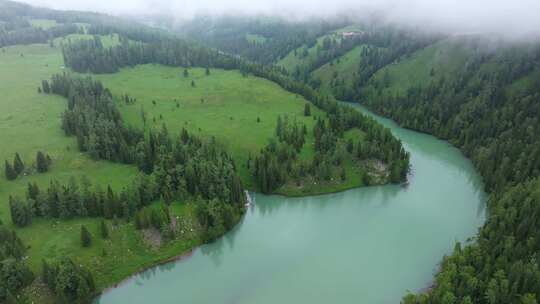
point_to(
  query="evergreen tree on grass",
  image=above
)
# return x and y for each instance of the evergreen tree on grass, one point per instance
(18, 164)
(307, 110)
(46, 87)
(104, 230)
(21, 212)
(42, 162)
(9, 171)
(86, 237)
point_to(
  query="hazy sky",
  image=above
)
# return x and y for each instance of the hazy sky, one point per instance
(510, 16)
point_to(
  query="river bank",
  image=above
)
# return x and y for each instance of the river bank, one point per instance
(374, 243)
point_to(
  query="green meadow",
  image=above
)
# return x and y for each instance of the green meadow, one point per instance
(107, 41)
(240, 112)
(423, 66)
(436, 62)
(342, 68)
(255, 38)
(29, 122)
(303, 56)
(43, 23)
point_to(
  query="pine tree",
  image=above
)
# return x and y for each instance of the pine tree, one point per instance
(9, 171)
(10, 299)
(184, 136)
(21, 213)
(83, 290)
(343, 174)
(307, 109)
(32, 191)
(18, 164)
(46, 87)
(45, 272)
(86, 237)
(42, 163)
(279, 127)
(207, 72)
(104, 230)
(109, 205)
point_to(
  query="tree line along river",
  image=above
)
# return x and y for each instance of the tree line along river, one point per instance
(367, 245)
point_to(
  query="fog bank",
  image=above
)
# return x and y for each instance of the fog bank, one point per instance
(512, 17)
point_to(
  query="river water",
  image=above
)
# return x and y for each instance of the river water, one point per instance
(369, 245)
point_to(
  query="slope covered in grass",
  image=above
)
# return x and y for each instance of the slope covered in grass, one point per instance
(305, 55)
(240, 111)
(31, 121)
(255, 38)
(43, 23)
(339, 72)
(445, 57)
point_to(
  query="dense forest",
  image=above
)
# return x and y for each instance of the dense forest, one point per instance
(490, 110)
(273, 37)
(20, 32)
(14, 272)
(279, 161)
(92, 56)
(179, 166)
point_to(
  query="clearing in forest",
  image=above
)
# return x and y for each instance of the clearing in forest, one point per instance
(240, 111)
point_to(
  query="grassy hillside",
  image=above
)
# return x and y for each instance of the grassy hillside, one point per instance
(341, 69)
(445, 57)
(107, 41)
(224, 104)
(443, 60)
(255, 38)
(30, 122)
(43, 23)
(303, 56)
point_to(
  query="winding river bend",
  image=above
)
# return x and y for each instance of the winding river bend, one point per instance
(367, 245)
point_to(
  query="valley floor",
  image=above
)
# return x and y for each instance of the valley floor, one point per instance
(224, 104)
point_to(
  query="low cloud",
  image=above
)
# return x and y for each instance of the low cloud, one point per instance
(514, 17)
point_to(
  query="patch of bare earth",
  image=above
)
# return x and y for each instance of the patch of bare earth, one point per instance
(378, 170)
(152, 237)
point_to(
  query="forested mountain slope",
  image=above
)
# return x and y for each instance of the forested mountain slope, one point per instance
(261, 39)
(483, 95)
(308, 56)
(486, 103)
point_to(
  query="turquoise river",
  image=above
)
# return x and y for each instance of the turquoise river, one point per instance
(368, 245)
